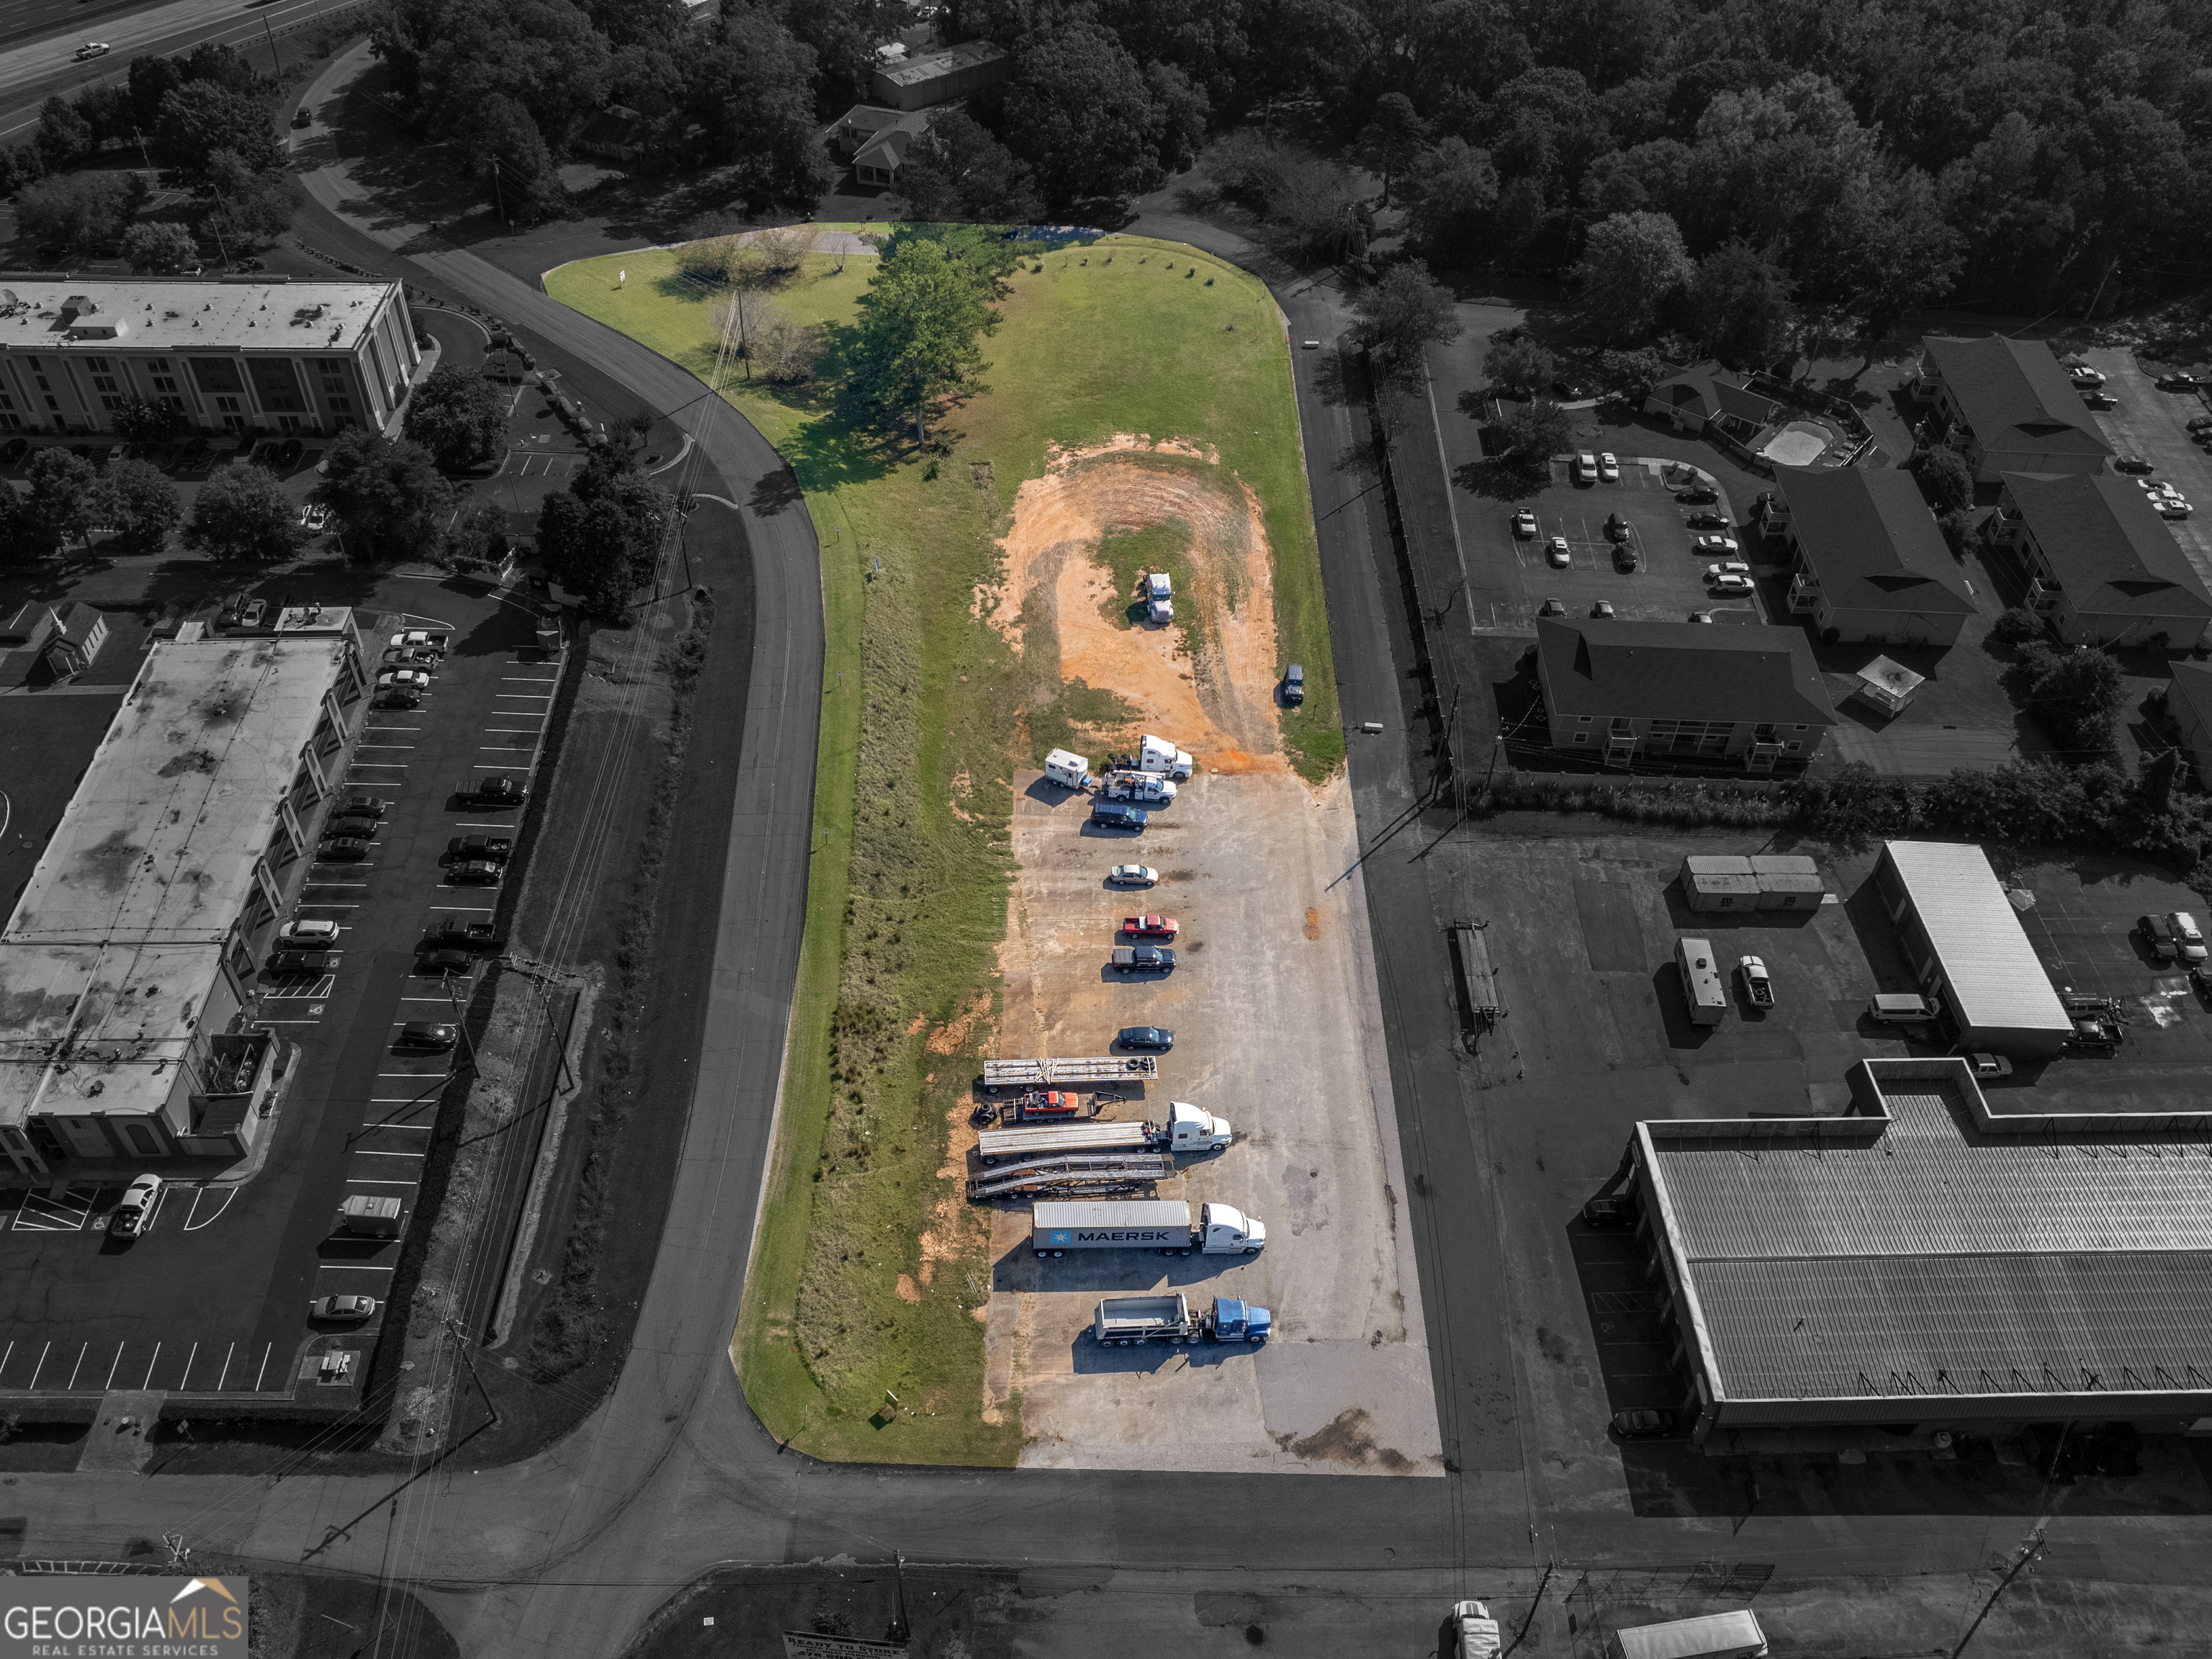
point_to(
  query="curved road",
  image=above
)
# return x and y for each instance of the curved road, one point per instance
(568, 1552)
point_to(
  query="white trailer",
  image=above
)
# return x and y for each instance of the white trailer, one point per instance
(1090, 1068)
(1186, 1130)
(1069, 771)
(1703, 988)
(1162, 1224)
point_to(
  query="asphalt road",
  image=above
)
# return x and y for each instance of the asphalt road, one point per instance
(569, 1552)
(39, 40)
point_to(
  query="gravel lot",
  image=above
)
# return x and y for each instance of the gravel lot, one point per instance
(1274, 1011)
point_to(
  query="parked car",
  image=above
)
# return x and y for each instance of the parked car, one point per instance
(135, 1212)
(1727, 567)
(2157, 936)
(1643, 1423)
(12, 452)
(1701, 616)
(1704, 519)
(250, 613)
(421, 639)
(355, 826)
(1608, 469)
(1556, 553)
(1990, 1066)
(1730, 584)
(2100, 400)
(2085, 376)
(1551, 608)
(2171, 506)
(301, 961)
(2194, 423)
(342, 1307)
(443, 961)
(427, 1034)
(406, 657)
(1153, 1039)
(1586, 468)
(342, 849)
(459, 934)
(1616, 527)
(1715, 544)
(2188, 937)
(314, 518)
(396, 699)
(1150, 927)
(308, 933)
(1294, 683)
(1524, 521)
(1132, 875)
(1626, 557)
(1698, 495)
(480, 873)
(403, 679)
(2134, 464)
(2177, 382)
(1603, 609)
(468, 849)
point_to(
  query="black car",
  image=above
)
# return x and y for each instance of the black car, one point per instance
(1643, 1424)
(287, 456)
(444, 962)
(1294, 683)
(1624, 557)
(2100, 400)
(1707, 521)
(461, 849)
(2177, 382)
(2131, 463)
(1112, 815)
(1698, 495)
(1151, 1038)
(426, 1034)
(396, 699)
(477, 873)
(362, 807)
(301, 961)
(343, 849)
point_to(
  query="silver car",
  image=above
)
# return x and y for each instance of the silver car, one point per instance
(1132, 875)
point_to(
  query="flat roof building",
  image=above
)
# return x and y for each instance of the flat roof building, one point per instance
(124, 1028)
(1927, 1260)
(2100, 564)
(1623, 691)
(1968, 949)
(938, 77)
(223, 356)
(2009, 407)
(1869, 563)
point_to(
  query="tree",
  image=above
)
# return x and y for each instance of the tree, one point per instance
(1944, 479)
(2017, 626)
(79, 210)
(916, 342)
(1085, 114)
(601, 538)
(388, 496)
(1740, 301)
(135, 500)
(243, 512)
(202, 118)
(162, 245)
(1536, 431)
(504, 145)
(1400, 317)
(1393, 140)
(1517, 365)
(251, 210)
(1184, 110)
(764, 335)
(478, 538)
(61, 502)
(2075, 694)
(63, 136)
(1896, 250)
(756, 95)
(143, 420)
(1450, 190)
(151, 78)
(459, 416)
(19, 539)
(1631, 263)
(957, 170)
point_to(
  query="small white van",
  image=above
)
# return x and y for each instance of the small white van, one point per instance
(1890, 1008)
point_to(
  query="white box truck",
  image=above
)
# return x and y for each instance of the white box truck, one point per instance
(1156, 754)
(1159, 597)
(1715, 1636)
(1186, 1130)
(1145, 1224)
(1703, 988)
(1068, 771)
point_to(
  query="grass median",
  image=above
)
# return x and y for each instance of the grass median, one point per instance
(862, 1334)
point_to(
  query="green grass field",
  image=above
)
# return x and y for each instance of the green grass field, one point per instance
(871, 1267)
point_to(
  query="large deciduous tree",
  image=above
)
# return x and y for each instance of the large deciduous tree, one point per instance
(917, 343)
(1631, 263)
(1084, 114)
(135, 500)
(388, 496)
(460, 417)
(243, 512)
(1400, 317)
(601, 538)
(957, 170)
(1741, 304)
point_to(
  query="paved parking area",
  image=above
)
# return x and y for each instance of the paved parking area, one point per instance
(1511, 576)
(214, 1297)
(2154, 424)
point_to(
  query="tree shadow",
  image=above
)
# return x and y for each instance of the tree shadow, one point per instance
(1500, 480)
(776, 491)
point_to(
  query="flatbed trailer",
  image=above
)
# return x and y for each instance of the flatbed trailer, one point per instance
(1478, 980)
(1084, 1172)
(1050, 1073)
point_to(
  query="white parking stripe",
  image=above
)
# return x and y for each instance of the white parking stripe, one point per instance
(365, 1181)
(370, 1154)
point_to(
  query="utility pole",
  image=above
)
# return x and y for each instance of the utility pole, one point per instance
(901, 1630)
(2031, 1551)
(453, 1326)
(271, 34)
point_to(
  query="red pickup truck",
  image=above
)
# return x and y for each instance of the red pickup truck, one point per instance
(1150, 927)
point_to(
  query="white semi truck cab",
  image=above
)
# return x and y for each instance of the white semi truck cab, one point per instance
(1159, 597)
(1157, 754)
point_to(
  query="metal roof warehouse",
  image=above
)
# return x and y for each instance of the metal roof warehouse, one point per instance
(1966, 945)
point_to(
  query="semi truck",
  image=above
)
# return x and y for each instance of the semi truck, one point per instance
(1150, 1224)
(1702, 986)
(1088, 1068)
(1069, 771)
(1156, 754)
(1159, 597)
(1188, 1129)
(1147, 789)
(1124, 1320)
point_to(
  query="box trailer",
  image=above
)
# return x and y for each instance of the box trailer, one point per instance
(1088, 1068)
(1188, 1129)
(1715, 1636)
(1069, 771)
(1162, 1224)
(1703, 988)
(370, 1217)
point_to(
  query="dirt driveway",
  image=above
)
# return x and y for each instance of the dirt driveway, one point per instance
(1274, 1005)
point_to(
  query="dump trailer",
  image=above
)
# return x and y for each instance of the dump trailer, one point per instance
(1073, 1172)
(1186, 1130)
(1092, 1068)
(1162, 1224)
(1122, 1320)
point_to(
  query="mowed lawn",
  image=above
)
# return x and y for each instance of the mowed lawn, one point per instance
(862, 1337)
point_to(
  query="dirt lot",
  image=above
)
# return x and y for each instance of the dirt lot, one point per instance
(1274, 1007)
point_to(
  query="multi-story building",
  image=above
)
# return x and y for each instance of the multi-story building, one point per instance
(126, 1019)
(2007, 406)
(1867, 563)
(227, 356)
(2101, 566)
(1625, 691)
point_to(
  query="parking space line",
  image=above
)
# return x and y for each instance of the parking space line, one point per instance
(529, 679)
(348, 1267)
(384, 746)
(41, 1365)
(501, 766)
(79, 1366)
(424, 1076)
(374, 1154)
(225, 1375)
(110, 1369)
(396, 766)
(506, 749)
(186, 1380)
(468, 823)
(151, 1363)
(373, 1181)
(287, 1022)
(264, 1367)
(471, 909)
(529, 729)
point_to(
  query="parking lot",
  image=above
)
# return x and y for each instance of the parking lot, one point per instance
(214, 1295)
(1667, 582)
(2154, 424)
